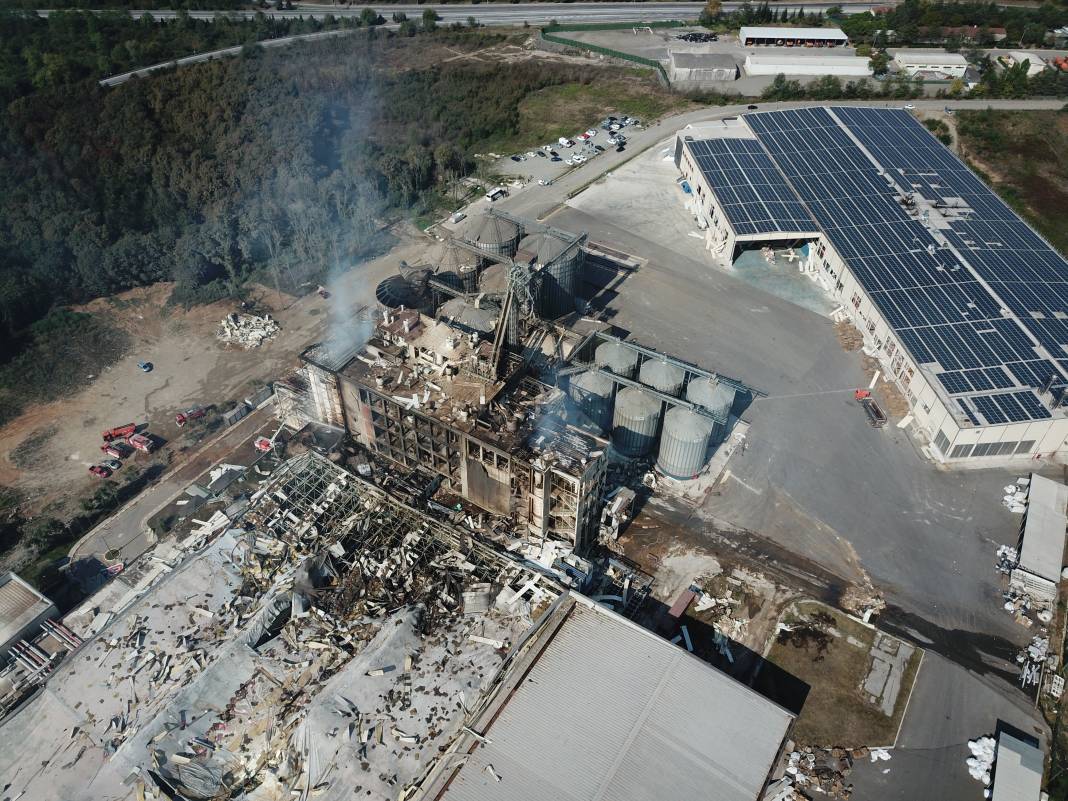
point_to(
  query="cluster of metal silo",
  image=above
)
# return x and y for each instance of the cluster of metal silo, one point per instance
(683, 443)
(593, 392)
(715, 396)
(495, 235)
(634, 422)
(560, 264)
(398, 291)
(662, 376)
(616, 358)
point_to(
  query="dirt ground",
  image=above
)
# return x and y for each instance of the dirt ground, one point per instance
(45, 453)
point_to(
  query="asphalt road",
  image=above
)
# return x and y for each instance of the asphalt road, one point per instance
(126, 531)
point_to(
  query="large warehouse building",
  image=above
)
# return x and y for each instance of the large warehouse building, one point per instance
(937, 63)
(802, 62)
(964, 304)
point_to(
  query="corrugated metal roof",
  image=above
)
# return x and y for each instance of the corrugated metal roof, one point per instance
(703, 60)
(1042, 551)
(824, 34)
(20, 604)
(1017, 770)
(612, 711)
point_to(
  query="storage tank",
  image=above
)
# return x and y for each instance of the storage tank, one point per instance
(617, 358)
(462, 263)
(715, 396)
(495, 234)
(683, 443)
(592, 392)
(395, 291)
(560, 264)
(634, 421)
(662, 376)
(494, 279)
(481, 319)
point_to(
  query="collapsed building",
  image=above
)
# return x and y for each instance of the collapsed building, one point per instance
(483, 372)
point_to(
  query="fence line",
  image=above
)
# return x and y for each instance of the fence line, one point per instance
(549, 34)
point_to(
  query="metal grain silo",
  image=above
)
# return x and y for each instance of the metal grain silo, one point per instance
(463, 263)
(396, 292)
(559, 262)
(662, 376)
(617, 358)
(683, 443)
(495, 234)
(634, 421)
(715, 396)
(592, 392)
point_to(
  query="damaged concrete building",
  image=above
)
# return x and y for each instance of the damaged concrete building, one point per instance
(486, 374)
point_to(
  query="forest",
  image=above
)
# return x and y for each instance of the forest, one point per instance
(278, 164)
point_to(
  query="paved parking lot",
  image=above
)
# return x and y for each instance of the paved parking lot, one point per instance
(539, 165)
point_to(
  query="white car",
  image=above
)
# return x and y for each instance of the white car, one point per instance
(547, 148)
(613, 140)
(531, 154)
(569, 161)
(591, 133)
(578, 158)
(615, 126)
(909, 107)
(565, 142)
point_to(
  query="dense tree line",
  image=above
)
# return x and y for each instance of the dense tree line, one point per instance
(280, 164)
(922, 22)
(40, 53)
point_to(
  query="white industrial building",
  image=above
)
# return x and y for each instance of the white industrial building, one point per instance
(689, 67)
(1018, 769)
(934, 62)
(964, 305)
(754, 36)
(1035, 64)
(22, 610)
(805, 63)
(1042, 541)
(596, 707)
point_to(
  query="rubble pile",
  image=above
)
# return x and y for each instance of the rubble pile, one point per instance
(982, 758)
(1008, 558)
(247, 330)
(817, 771)
(331, 639)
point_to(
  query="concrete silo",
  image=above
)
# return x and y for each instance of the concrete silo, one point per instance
(634, 422)
(683, 443)
(616, 358)
(662, 376)
(495, 235)
(592, 392)
(481, 319)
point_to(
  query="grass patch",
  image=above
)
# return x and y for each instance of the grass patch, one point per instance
(1023, 155)
(836, 713)
(567, 109)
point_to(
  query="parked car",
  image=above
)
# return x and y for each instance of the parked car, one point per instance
(556, 158)
(752, 107)
(949, 111)
(591, 133)
(99, 471)
(554, 154)
(516, 158)
(541, 153)
(565, 142)
(598, 148)
(547, 148)
(111, 464)
(909, 107)
(583, 137)
(613, 140)
(615, 126)
(619, 149)
(145, 367)
(579, 158)
(569, 161)
(531, 154)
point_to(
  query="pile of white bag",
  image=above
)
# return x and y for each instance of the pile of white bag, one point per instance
(1015, 499)
(982, 758)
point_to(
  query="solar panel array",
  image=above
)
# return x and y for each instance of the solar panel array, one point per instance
(935, 302)
(752, 192)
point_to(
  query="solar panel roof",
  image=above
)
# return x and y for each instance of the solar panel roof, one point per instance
(968, 288)
(752, 192)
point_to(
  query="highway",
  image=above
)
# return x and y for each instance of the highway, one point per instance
(514, 13)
